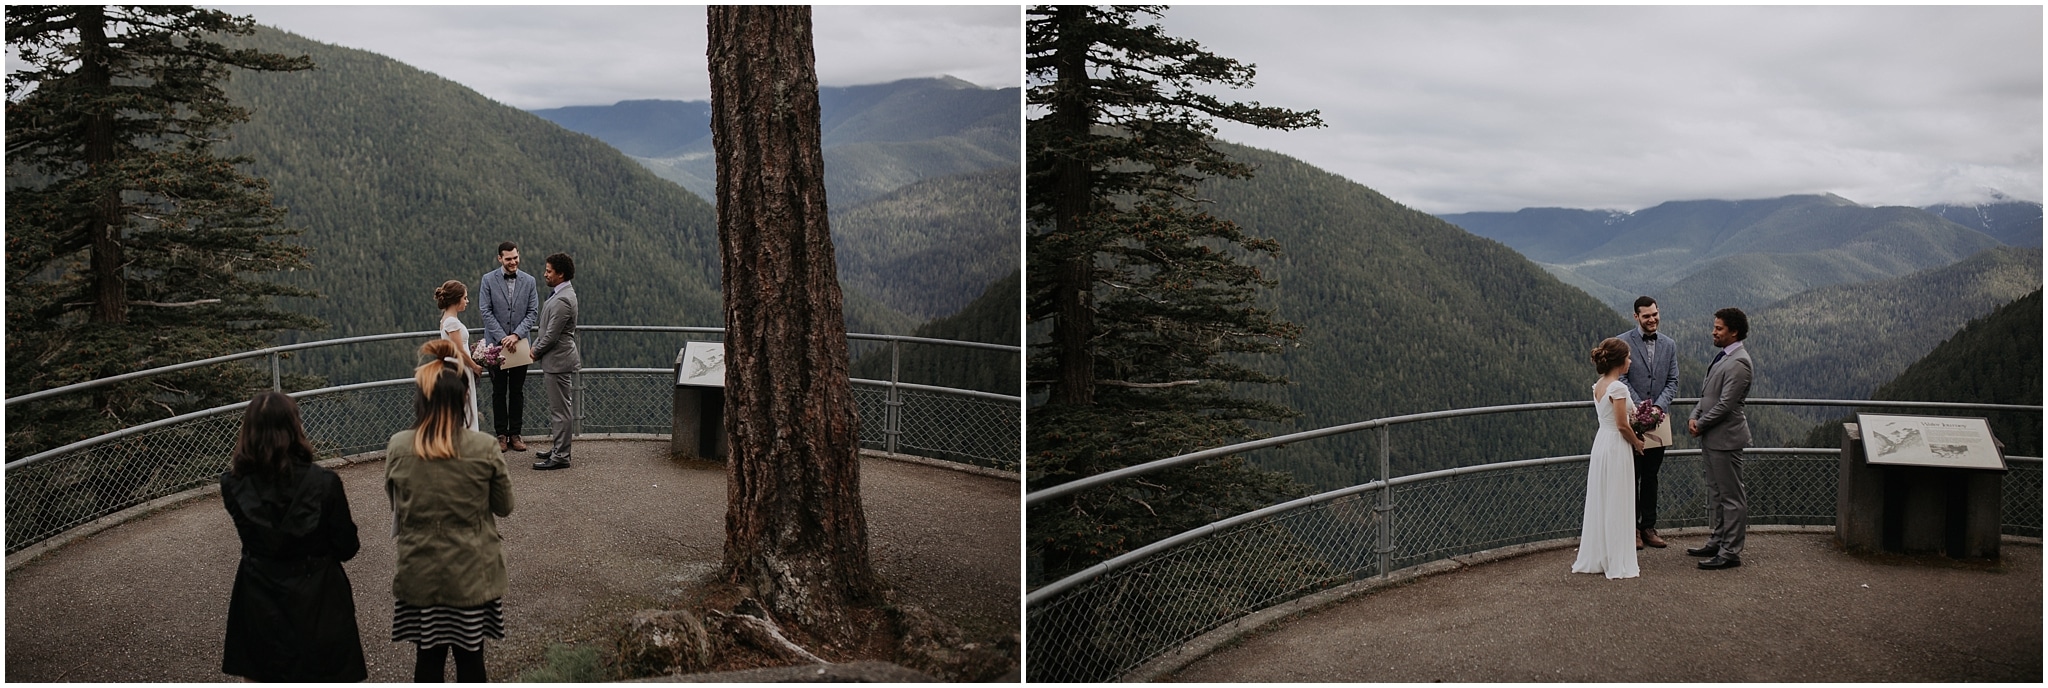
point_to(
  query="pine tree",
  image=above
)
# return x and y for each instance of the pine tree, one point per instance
(796, 535)
(1150, 301)
(130, 243)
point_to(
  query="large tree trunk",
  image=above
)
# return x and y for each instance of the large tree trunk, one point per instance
(795, 533)
(109, 290)
(1073, 329)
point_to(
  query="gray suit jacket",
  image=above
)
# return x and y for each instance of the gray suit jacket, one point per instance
(1652, 378)
(555, 347)
(1722, 425)
(512, 310)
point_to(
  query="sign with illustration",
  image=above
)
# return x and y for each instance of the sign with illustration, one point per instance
(703, 365)
(1939, 441)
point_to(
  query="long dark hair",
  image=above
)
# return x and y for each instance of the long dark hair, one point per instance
(439, 406)
(271, 435)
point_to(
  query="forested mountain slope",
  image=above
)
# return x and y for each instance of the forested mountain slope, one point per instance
(992, 318)
(403, 179)
(1405, 313)
(929, 248)
(1841, 342)
(1995, 359)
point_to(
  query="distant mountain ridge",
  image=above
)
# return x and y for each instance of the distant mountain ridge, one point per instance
(1695, 256)
(877, 137)
(2017, 223)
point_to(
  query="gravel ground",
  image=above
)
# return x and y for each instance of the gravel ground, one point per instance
(1797, 610)
(624, 529)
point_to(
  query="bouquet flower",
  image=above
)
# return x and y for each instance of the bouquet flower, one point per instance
(1646, 417)
(487, 354)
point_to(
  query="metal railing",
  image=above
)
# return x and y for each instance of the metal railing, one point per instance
(1101, 623)
(63, 488)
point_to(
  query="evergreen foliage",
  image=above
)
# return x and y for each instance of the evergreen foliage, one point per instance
(132, 241)
(1151, 307)
(1995, 359)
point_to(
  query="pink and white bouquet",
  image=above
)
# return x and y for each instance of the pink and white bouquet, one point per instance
(487, 354)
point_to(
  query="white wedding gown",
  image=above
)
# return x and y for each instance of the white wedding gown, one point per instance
(473, 421)
(1607, 541)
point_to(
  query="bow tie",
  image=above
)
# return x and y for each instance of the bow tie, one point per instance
(511, 276)
(1649, 336)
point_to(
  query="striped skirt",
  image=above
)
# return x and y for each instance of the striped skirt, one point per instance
(462, 627)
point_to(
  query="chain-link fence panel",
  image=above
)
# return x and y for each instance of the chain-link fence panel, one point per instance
(972, 430)
(2022, 486)
(638, 403)
(1109, 625)
(69, 490)
(1461, 514)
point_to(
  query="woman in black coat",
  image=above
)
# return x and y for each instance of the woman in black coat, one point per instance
(292, 615)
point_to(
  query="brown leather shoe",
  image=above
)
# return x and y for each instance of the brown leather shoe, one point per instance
(1650, 538)
(1639, 539)
(501, 444)
(518, 443)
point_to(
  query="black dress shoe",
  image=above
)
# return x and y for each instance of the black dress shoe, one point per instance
(1707, 551)
(549, 464)
(1720, 562)
(543, 456)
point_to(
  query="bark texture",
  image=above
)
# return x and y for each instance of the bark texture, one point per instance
(795, 532)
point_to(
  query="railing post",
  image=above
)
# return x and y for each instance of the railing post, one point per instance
(1386, 506)
(276, 376)
(895, 401)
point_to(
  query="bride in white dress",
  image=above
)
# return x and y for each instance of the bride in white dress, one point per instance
(1607, 540)
(453, 298)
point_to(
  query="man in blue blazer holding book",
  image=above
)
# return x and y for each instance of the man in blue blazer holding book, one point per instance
(510, 304)
(1652, 374)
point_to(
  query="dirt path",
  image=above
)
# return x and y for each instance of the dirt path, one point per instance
(624, 529)
(1797, 610)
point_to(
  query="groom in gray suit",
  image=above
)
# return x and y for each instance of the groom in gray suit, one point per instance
(555, 350)
(1653, 375)
(1724, 433)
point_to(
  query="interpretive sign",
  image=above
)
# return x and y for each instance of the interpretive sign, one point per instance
(1937, 441)
(703, 365)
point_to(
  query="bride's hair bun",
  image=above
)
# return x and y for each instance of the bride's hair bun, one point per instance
(449, 294)
(1609, 354)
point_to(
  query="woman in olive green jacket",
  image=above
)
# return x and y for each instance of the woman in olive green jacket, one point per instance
(447, 486)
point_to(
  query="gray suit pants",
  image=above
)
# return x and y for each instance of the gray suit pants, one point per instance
(1727, 502)
(561, 389)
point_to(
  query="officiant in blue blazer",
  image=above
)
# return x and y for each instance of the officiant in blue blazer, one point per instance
(510, 305)
(1652, 374)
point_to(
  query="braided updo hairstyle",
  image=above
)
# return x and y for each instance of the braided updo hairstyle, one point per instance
(449, 293)
(1610, 354)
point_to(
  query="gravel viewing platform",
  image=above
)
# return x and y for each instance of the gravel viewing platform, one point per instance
(1798, 609)
(625, 528)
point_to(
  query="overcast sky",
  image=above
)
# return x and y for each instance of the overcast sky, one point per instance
(1449, 109)
(549, 56)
